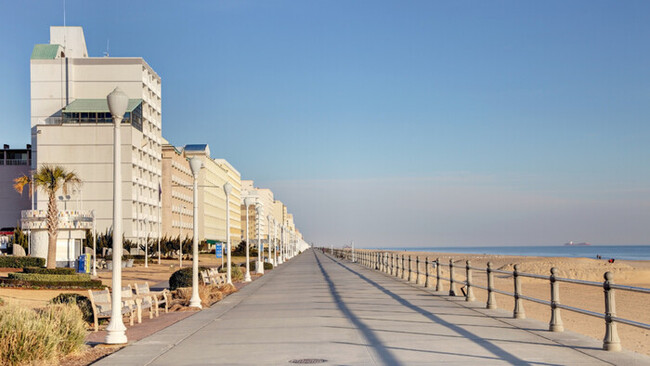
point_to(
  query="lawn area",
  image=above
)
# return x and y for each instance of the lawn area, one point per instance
(155, 273)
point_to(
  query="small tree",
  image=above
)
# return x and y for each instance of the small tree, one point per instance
(20, 237)
(50, 179)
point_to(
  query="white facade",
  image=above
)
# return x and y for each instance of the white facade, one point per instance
(70, 127)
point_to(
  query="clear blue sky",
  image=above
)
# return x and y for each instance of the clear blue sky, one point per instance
(394, 122)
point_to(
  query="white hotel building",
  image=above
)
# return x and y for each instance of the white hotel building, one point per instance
(71, 126)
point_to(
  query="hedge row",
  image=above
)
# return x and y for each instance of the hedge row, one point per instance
(8, 261)
(50, 277)
(50, 271)
(92, 284)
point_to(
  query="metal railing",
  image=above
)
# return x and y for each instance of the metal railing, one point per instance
(399, 266)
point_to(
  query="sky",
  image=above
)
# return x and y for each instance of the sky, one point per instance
(393, 123)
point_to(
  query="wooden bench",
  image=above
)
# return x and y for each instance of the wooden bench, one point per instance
(156, 298)
(213, 277)
(100, 302)
(138, 302)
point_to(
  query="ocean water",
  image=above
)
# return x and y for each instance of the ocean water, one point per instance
(631, 252)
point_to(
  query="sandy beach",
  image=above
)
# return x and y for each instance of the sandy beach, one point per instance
(629, 305)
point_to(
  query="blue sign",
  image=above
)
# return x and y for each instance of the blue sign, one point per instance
(218, 249)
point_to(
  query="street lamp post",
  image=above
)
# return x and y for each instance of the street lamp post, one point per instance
(159, 221)
(260, 248)
(180, 236)
(227, 188)
(116, 331)
(278, 256)
(247, 277)
(268, 237)
(282, 244)
(137, 212)
(195, 301)
(146, 243)
(94, 245)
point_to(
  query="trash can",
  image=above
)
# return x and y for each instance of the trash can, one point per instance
(88, 262)
(81, 264)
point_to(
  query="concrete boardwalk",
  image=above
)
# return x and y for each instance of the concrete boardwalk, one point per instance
(314, 307)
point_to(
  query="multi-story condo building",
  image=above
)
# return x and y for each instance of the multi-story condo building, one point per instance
(176, 193)
(264, 197)
(72, 127)
(14, 163)
(212, 199)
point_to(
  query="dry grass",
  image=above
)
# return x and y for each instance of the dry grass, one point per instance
(28, 336)
(209, 294)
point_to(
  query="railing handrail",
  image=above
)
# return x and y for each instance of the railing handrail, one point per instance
(390, 264)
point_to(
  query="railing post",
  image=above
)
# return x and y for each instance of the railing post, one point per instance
(518, 312)
(409, 277)
(556, 320)
(417, 270)
(385, 258)
(392, 263)
(452, 285)
(491, 299)
(611, 341)
(470, 292)
(426, 272)
(438, 269)
(386, 263)
(403, 271)
(396, 264)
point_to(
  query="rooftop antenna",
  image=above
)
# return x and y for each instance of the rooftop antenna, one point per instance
(64, 29)
(107, 47)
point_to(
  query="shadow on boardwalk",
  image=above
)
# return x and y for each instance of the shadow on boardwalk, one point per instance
(315, 307)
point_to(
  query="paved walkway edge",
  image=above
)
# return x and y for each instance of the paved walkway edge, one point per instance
(147, 350)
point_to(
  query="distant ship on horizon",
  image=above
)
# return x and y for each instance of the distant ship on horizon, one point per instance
(572, 243)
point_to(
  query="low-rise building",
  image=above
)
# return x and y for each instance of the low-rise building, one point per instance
(14, 163)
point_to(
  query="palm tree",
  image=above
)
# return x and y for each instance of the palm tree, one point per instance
(50, 179)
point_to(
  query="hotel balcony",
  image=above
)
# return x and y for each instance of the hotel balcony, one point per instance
(68, 220)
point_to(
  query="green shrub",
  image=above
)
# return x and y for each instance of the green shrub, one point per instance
(82, 302)
(268, 265)
(236, 272)
(92, 284)
(51, 271)
(28, 336)
(81, 277)
(182, 278)
(8, 261)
